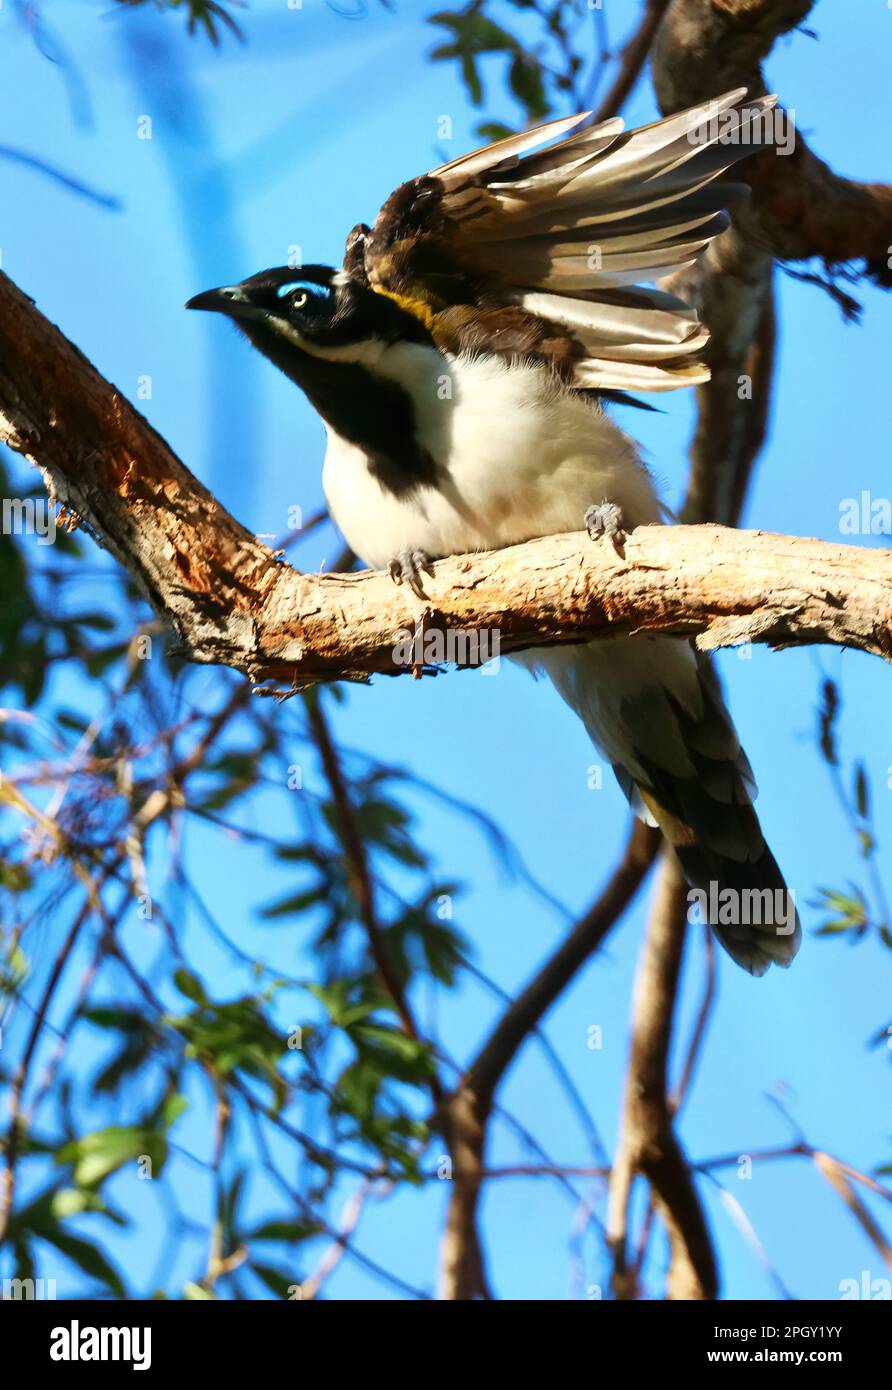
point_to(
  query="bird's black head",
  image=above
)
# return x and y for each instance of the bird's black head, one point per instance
(312, 312)
(302, 299)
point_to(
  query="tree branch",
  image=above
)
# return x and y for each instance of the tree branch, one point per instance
(632, 60)
(803, 208)
(232, 601)
(647, 1142)
(514, 1027)
(471, 1105)
(798, 209)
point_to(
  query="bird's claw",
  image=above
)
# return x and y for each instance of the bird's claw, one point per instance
(606, 519)
(407, 568)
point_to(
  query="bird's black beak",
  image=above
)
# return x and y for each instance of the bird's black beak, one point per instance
(229, 299)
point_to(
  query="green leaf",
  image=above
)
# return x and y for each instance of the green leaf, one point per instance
(190, 986)
(290, 1231)
(337, 998)
(74, 1201)
(862, 794)
(409, 1059)
(827, 715)
(15, 877)
(296, 903)
(100, 659)
(175, 1105)
(95, 1156)
(74, 723)
(491, 131)
(278, 1283)
(525, 81)
(99, 622)
(126, 1020)
(228, 1209)
(475, 32)
(87, 1257)
(850, 909)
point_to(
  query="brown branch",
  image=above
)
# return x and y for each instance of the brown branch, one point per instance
(232, 601)
(472, 1102)
(802, 209)
(332, 1256)
(358, 870)
(801, 1149)
(531, 1005)
(676, 1101)
(463, 1268)
(647, 1143)
(632, 60)
(798, 209)
(699, 1034)
(733, 289)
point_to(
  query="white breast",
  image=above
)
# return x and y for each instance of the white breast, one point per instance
(518, 456)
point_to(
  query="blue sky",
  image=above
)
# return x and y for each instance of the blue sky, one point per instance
(288, 141)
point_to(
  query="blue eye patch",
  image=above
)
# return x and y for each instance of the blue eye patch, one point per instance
(284, 291)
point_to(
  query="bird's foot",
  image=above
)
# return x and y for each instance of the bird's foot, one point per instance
(606, 519)
(407, 568)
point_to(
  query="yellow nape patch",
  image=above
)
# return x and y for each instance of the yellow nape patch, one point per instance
(418, 308)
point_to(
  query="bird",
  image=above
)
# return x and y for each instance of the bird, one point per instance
(467, 359)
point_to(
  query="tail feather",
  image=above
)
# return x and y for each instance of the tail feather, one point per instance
(745, 900)
(655, 709)
(709, 820)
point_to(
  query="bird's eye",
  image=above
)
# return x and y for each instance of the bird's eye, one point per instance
(294, 293)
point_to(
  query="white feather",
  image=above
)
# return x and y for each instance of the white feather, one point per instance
(518, 456)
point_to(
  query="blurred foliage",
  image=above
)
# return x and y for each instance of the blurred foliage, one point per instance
(78, 853)
(855, 911)
(211, 16)
(540, 49)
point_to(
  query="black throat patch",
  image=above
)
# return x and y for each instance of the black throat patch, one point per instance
(375, 414)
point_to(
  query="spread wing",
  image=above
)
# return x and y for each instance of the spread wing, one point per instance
(541, 254)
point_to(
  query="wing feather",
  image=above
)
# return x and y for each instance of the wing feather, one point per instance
(503, 153)
(564, 234)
